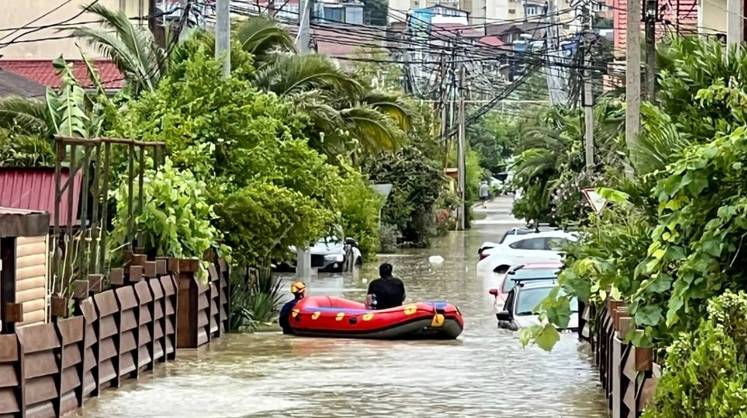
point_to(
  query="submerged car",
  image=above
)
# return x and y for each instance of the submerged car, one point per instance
(529, 248)
(509, 236)
(531, 271)
(519, 309)
(329, 254)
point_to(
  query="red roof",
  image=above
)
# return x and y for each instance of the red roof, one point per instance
(33, 189)
(491, 40)
(44, 73)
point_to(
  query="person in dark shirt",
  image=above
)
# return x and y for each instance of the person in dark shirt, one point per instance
(386, 291)
(299, 291)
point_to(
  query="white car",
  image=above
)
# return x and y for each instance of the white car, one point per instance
(519, 309)
(530, 248)
(510, 236)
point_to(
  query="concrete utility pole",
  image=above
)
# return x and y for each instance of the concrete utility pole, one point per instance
(303, 39)
(461, 153)
(734, 22)
(588, 93)
(652, 11)
(223, 35)
(633, 73)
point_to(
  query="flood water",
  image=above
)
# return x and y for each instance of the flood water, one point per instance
(484, 373)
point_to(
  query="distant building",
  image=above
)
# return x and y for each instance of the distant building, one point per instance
(39, 42)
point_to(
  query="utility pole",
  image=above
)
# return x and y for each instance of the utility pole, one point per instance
(223, 35)
(461, 152)
(588, 93)
(633, 73)
(304, 27)
(303, 39)
(652, 11)
(734, 21)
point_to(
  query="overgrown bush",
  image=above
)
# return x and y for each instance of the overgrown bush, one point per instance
(359, 207)
(175, 218)
(19, 150)
(705, 374)
(417, 184)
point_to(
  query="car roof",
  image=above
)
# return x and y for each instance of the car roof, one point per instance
(525, 274)
(539, 284)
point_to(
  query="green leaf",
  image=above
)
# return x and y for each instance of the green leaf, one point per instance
(648, 315)
(547, 337)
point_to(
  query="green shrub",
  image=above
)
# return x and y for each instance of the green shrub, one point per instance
(359, 207)
(18, 150)
(175, 220)
(705, 373)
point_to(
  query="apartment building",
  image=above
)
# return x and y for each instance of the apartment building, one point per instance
(37, 42)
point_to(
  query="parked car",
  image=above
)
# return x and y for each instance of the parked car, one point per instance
(509, 236)
(531, 271)
(528, 248)
(329, 254)
(519, 309)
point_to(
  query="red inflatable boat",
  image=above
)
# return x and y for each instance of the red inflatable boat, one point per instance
(328, 316)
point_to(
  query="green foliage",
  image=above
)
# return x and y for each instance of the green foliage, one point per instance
(705, 371)
(696, 248)
(417, 185)
(20, 150)
(550, 166)
(67, 108)
(254, 300)
(265, 219)
(359, 208)
(494, 138)
(131, 46)
(175, 220)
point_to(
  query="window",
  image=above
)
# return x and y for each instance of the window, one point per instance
(530, 244)
(511, 11)
(532, 10)
(555, 244)
(529, 299)
(333, 14)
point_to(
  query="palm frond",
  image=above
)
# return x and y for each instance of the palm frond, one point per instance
(261, 37)
(390, 106)
(132, 48)
(299, 73)
(372, 129)
(26, 116)
(658, 143)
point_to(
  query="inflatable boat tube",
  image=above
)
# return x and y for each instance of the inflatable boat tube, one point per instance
(329, 316)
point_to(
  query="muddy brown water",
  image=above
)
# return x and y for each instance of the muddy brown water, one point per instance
(484, 373)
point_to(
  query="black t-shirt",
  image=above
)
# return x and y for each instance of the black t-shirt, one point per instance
(390, 292)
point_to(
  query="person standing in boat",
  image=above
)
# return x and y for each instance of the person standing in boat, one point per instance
(386, 291)
(299, 291)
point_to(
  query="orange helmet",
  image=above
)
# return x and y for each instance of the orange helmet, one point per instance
(298, 287)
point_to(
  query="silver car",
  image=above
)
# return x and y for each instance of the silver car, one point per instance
(519, 310)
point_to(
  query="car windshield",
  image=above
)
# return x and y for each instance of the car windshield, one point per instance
(529, 298)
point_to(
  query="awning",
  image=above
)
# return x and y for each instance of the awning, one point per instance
(23, 223)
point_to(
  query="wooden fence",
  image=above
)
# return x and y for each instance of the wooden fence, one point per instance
(48, 370)
(627, 373)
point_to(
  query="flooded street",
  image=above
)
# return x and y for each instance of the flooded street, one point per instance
(485, 373)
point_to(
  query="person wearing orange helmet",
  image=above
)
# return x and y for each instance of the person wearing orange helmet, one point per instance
(298, 289)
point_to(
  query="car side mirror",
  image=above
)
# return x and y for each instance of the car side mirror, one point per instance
(503, 316)
(493, 292)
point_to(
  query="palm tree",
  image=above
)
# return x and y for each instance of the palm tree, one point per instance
(132, 48)
(264, 39)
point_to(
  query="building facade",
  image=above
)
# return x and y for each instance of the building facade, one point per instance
(25, 37)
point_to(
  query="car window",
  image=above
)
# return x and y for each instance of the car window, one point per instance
(528, 299)
(555, 244)
(529, 244)
(503, 238)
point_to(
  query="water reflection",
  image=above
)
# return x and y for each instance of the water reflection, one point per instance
(483, 373)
